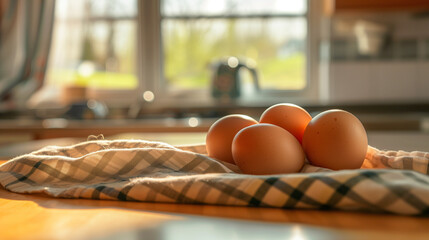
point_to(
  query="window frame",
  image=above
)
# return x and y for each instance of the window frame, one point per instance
(150, 64)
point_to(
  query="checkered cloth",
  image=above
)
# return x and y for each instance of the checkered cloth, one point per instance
(137, 170)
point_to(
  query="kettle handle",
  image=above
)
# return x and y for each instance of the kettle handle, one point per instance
(254, 74)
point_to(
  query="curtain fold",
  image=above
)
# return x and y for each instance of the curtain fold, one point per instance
(25, 39)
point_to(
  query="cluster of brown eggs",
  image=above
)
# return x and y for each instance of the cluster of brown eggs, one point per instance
(285, 136)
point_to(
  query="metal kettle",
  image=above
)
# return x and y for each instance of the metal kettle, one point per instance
(227, 82)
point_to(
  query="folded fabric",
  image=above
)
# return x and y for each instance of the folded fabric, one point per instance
(138, 170)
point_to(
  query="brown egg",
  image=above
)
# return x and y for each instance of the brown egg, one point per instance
(291, 117)
(222, 132)
(335, 139)
(267, 149)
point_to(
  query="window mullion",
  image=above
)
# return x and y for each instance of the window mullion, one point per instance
(149, 47)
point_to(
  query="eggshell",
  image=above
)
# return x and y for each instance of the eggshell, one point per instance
(221, 133)
(291, 117)
(267, 149)
(335, 139)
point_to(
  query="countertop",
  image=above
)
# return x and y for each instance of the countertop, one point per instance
(35, 216)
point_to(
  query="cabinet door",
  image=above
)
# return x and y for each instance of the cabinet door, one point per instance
(350, 82)
(423, 81)
(395, 81)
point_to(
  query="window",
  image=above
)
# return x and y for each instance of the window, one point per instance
(269, 34)
(94, 49)
(166, 51)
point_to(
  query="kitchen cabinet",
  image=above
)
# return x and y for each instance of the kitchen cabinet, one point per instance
(395, 81)
(379, 5)
(423, 82)
(379, 81)
(350, 82)
(399, 140)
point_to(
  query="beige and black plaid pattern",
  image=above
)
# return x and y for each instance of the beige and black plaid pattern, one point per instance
(137, 170)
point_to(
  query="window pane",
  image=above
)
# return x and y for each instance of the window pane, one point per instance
(276, 45)
(93, 52)
(221, 7)
(113, 8)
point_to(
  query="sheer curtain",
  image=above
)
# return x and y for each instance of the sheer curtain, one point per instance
(25, 38)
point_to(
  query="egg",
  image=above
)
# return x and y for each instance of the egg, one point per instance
(291, 117)
(335, 139)
(267, 149)
(221, 133)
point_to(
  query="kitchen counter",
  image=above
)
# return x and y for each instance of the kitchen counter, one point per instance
(36, 216)
(397, 127)
(61, 127)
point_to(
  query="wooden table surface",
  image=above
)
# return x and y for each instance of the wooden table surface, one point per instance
(24, 216)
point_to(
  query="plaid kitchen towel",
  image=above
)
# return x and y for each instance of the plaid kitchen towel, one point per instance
(138, 170)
